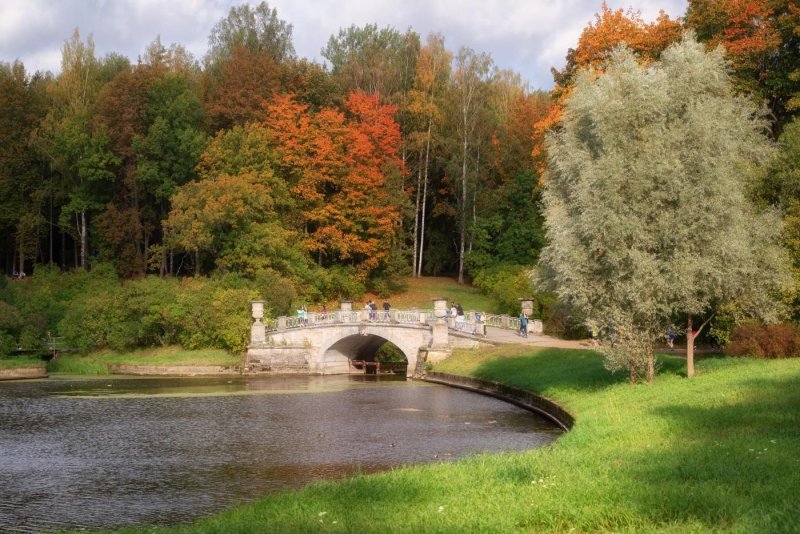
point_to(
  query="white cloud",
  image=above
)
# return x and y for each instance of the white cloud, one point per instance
(528, 36)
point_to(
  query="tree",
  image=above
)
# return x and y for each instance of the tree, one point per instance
(372, 60)
(78, 151)
(257, 29)
(645, 201)
(610, 29)
(470, 75)
(762, 41)
(425, 108)
(22, 191)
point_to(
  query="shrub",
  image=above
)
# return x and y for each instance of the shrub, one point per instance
(764, 341)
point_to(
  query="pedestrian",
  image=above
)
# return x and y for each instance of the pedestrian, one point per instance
(671, 337)
(459, 310)
(523, 324)
(387, 316)
(323, 312)
(373, 315)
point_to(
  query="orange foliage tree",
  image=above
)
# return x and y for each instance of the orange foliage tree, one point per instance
(762, 42)
(340, 167)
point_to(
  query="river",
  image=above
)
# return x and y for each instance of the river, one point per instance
(105, 452)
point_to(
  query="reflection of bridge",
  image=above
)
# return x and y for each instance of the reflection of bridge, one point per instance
(328, 343)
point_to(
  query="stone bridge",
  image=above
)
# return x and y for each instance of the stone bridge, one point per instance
(329, 343)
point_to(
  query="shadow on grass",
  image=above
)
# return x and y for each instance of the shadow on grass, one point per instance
(733, 461)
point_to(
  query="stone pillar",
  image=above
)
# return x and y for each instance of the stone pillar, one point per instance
(440, 338)
(535, 327)
(258, 334)
(346, 305)
(281, 323)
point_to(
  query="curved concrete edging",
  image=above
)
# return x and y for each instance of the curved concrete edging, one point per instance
(524, 399)
(19, 373)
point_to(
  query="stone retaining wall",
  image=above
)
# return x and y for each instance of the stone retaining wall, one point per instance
(171, 370)
(520, 397)
(17, 373)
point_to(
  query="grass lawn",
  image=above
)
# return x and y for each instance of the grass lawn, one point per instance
(719, 452)
(13, 362)
(97, 362)
(419, 293)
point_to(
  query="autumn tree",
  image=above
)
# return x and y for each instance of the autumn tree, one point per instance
(598, 39)
(339, 168)
(762, 40)
(646, 207)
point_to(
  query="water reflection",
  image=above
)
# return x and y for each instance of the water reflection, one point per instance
(102, 453)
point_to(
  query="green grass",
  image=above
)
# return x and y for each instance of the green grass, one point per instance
(97, 363)
(717, 453)
(420, 292)
(13, 362)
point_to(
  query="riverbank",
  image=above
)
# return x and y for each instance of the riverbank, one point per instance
(156, 361)
(17, 368)
(717, 452)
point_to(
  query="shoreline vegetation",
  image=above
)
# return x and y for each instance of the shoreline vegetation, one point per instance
(715, 453)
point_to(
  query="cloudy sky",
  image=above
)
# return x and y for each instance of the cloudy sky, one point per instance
(527, 36)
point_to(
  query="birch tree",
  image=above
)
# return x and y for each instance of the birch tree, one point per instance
(647, 216)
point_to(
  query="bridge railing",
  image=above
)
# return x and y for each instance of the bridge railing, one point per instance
(469, 323)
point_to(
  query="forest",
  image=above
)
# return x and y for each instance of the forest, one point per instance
(254, 173)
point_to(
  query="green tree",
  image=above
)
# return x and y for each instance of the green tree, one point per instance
(646, 210)
(257, 29)
(22, 190)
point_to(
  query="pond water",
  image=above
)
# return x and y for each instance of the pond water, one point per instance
(109, 452)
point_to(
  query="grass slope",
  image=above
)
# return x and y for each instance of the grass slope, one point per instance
(420, 292)
(14, 362)
(96, 363)
(719, 452)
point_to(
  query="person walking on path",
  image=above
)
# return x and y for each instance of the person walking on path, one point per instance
(671, 337)
(523, 324)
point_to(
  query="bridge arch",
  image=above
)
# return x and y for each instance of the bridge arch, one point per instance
(337, 352)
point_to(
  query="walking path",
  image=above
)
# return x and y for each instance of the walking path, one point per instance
(501, 335)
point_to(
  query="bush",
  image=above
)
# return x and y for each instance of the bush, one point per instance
(764, 341)
(505, 284)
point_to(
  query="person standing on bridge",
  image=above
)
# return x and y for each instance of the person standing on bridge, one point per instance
(387, 315)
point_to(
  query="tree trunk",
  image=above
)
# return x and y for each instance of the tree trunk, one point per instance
(463, 229)
(633, 375)
(689, 348)
(84, 238)
(21, 260)
(197, 263)
(416, 221)
(424, 194)
(651, 365)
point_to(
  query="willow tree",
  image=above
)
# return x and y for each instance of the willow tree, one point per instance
(645, 201)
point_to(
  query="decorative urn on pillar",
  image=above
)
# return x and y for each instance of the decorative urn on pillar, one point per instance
(258, 333)
(440, 307)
